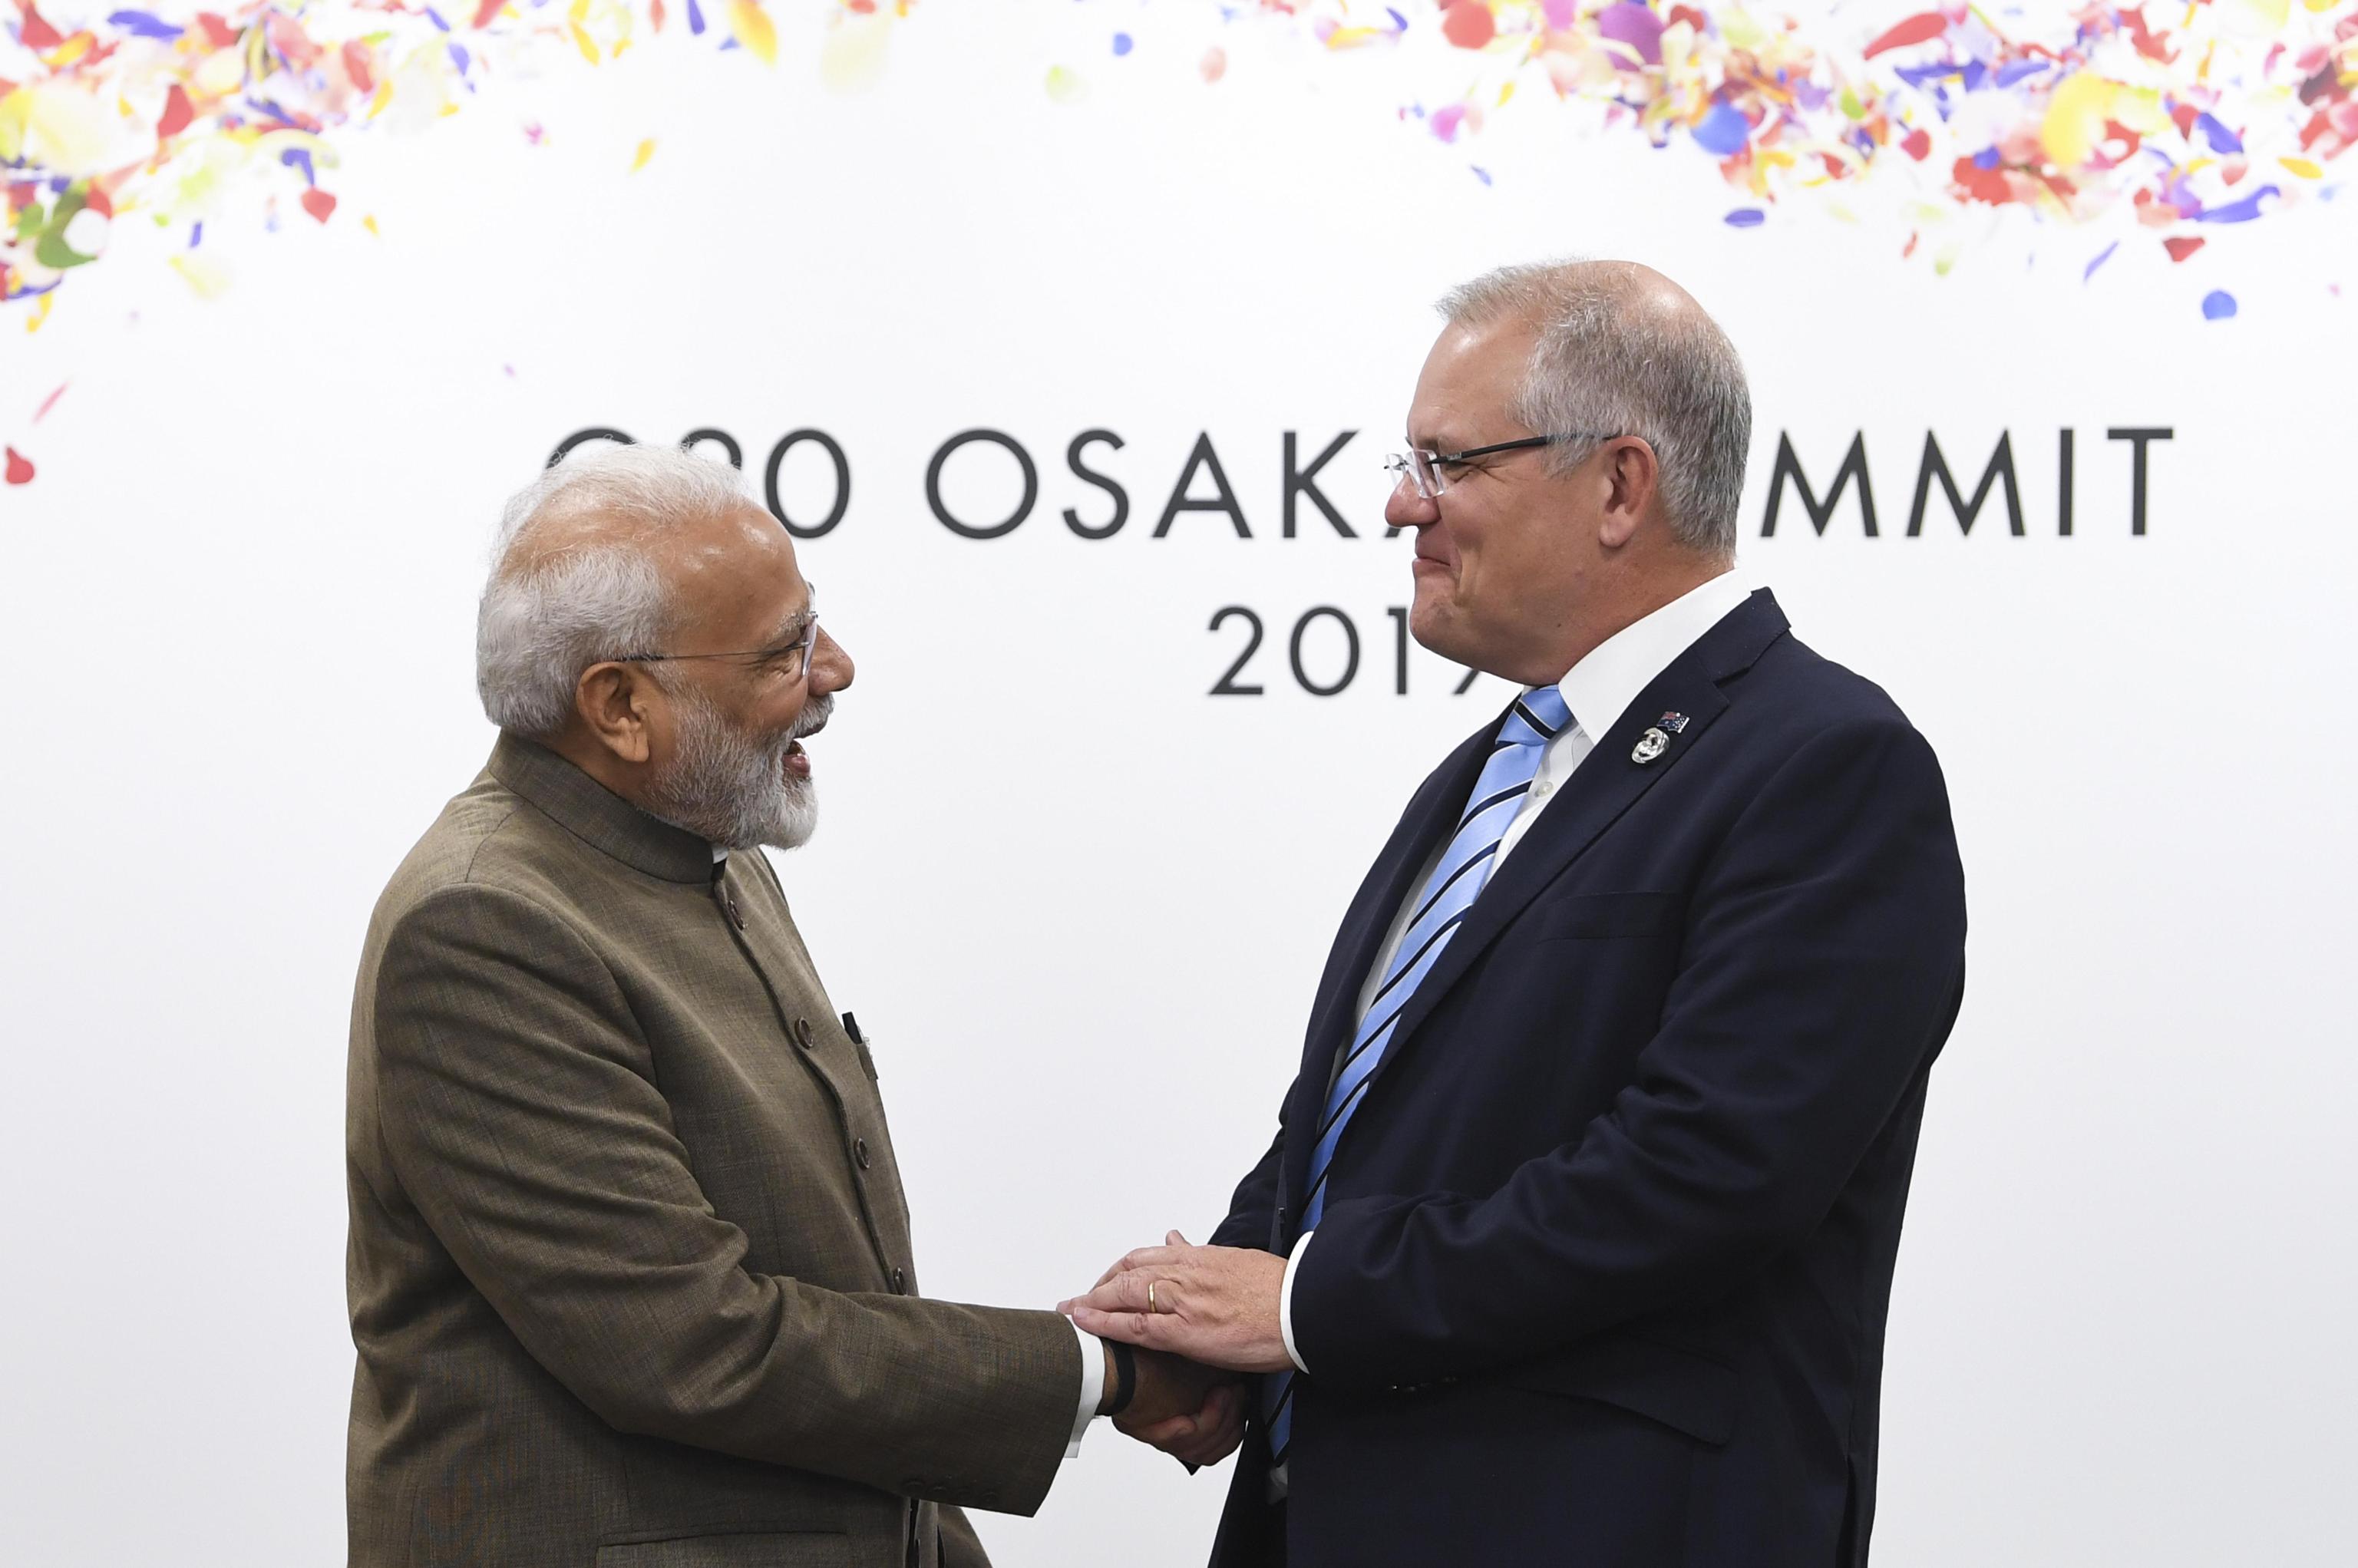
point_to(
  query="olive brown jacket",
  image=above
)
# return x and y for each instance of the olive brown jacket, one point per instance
(629, 1265)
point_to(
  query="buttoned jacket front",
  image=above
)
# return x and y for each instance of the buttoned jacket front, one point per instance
(1607, 1252)
(630, 1269)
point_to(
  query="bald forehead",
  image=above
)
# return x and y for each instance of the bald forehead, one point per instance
(728, 544)
(1496, 325)
(1635, 290)
(722, 543)
(576, 521)
(1625, 277)
(1645, 295)
(730, 575)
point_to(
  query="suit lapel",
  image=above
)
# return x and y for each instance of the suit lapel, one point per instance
(1432, 813)
(1608, 782)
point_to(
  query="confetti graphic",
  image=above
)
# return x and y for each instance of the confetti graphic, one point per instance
(179, 117)
(2224, 111)
(2168, 123)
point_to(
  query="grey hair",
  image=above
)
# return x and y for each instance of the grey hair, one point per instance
(546, 616)
(1669, 377)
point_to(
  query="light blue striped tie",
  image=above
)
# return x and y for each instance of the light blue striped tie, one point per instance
(1457, 879)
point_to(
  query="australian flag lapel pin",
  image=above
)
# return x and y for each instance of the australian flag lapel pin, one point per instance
(1657, 741)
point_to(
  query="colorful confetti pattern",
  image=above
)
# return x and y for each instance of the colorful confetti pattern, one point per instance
(2186, 117)
(2220, 112)
(2213, 112)
(179, 117)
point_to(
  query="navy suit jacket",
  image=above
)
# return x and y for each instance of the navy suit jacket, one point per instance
(1605, 1264)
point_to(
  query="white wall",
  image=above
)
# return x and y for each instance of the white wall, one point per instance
(1080, 903)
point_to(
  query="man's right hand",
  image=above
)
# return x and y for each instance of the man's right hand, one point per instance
(1193, 1412)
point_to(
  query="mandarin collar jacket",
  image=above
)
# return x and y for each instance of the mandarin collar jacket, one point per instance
(629, 1270)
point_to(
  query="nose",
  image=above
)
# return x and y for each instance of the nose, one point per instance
(831, 668)
(1407, 509)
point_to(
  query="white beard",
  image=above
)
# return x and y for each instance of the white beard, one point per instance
(733, 789)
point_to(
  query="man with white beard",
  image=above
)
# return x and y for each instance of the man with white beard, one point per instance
(629, 1266)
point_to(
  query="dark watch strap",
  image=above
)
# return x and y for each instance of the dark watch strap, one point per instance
(1125, 1377)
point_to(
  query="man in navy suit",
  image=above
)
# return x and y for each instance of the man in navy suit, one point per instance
(1575, 1242)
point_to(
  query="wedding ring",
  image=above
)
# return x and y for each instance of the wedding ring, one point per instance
(1151, 1307)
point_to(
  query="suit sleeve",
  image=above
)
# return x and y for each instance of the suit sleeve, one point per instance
(518, 1108)
(1822, 966)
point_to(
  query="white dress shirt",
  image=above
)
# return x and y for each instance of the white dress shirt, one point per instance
(1598, 690)
(1092, 1385)
(1092, 1347)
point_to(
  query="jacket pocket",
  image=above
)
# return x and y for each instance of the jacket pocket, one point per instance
(1683, 1390)
(745, 1549)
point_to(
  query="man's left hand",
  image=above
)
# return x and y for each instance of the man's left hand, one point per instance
(1213, 1305)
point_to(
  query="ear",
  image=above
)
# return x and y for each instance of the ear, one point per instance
(613, 701)
(1631, 478)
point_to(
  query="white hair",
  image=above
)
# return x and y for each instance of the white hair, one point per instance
(729, 785)
(1671, 378)
(546, 616)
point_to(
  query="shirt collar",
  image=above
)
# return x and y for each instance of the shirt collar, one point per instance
(1608, 680)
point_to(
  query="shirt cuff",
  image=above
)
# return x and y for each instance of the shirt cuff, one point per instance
(1285, 1301)
(1092, 1386)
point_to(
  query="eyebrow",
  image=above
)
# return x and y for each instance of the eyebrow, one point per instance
(792, 628)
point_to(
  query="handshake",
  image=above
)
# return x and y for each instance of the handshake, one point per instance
(1204, 1321)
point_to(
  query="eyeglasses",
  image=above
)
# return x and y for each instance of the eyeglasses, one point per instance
(1424, 468)
(788, 660)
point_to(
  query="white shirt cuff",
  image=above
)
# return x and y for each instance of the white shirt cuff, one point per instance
(1285, 1301)
(1092, 1386)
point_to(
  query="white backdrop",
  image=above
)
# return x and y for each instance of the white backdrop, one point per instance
(1081, 902)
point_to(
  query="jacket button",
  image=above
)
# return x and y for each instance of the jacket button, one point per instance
(803, 1032)
(860, 1152)
(900, 1281)
(736, 915)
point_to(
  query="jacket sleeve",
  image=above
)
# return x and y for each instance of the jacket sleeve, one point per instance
(519, 1110)
(1822, 965)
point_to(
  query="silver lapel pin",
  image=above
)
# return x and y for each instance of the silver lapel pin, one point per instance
(1657, 741)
